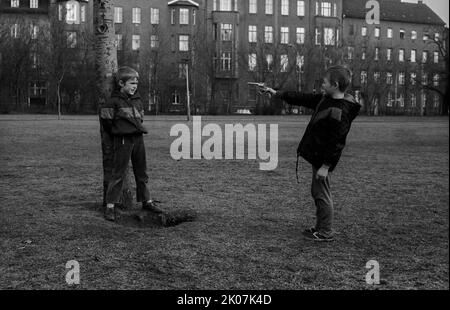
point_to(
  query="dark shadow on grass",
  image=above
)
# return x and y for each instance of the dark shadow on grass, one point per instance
(144, 219)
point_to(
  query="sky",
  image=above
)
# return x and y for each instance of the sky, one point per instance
(440, 7)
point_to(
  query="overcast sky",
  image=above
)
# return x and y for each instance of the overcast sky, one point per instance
(440, 7)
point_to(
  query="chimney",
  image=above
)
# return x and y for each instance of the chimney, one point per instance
(420, 1)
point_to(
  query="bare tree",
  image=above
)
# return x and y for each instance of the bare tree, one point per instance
(106, 66)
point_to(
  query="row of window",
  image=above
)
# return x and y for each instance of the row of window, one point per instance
(183, 42)
(327, 36)
(284, 62)
(412, 100)
(34, 4)
(183, 16)
(74, 12)
(401, 78)
(389, 55)
(322, 8)
(390, 33)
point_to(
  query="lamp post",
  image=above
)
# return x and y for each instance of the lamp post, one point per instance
(188, 97)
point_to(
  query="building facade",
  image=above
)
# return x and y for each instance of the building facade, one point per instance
(215, 48)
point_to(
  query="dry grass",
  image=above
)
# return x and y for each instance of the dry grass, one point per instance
(391, 191)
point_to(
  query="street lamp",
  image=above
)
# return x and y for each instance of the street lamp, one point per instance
(188, 97)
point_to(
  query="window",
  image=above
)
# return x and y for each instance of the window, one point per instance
(317, 8)
(412, 78)
(300, 35)
(194, 17)
(300, 8)
(136, 42)
(251, 61)
(401, 100)
(72, 11)
(119, 42)
(34, 4)
(424, 57)
(182, 69)
(184, 16)
(351, 30)
(83, 13)
(364, 31)
(363, 77)
(269, 62)
(269, 7)
(317, 37)
(436, 36)
(175, 98)
(268, 34)
(377, 32)
(401, 78)
(326, 9)
(350, 52)
(363, 53)
(436, 57)
(154, 41)
(60, 12)
(184, 43)
(436, 80)
(71, 39)
(285, 7)
(284, 35)
(34, 60)
(300, 62)
(154, 16)
(389, 54)
(389, 80)
(436, 101)
(118, 15)
(402, 34)
(15, 3)
(413, 100)
(34, 32)
(225, 5)
(425, 37)
(172, 17)
(136, 15)
(390, 100)
(225, 61)
(377, 53)
(328, 36)
(376, 76)
(226, 31)
(401, 55)
(389, 33)
(413, 55)
(252, 34)
(424, 79)
(284, 62)
(413, 35)
(252, 6)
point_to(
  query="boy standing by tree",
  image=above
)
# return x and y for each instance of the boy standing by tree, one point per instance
(122, 118)
(324, 139)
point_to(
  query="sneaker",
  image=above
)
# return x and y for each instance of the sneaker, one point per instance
(309, 231)
(110, 215)
(151, 206)
(317, 236)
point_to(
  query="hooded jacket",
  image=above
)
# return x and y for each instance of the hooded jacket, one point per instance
(123, 115)
(325, 136)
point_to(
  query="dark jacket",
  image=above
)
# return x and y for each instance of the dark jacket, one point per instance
(123, 115)
(325, 136)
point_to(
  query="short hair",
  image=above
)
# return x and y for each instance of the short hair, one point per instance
(341, 75)
(125, 73)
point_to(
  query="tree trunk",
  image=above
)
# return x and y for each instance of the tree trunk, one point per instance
(105, 67)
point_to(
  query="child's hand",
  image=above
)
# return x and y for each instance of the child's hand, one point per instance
(322, 173)
(267, 90)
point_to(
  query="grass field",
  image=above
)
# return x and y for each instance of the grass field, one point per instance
(391, 193)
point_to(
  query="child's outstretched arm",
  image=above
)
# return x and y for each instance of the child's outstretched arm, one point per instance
(294, 97)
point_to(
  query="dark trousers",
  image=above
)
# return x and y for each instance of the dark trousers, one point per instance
(125, 148)
(320, 191)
